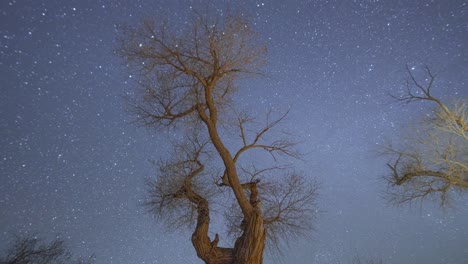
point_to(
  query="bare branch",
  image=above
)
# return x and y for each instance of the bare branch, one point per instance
(173, 196)
(289, 208)
(434, 160)
(455, 117)
(30, 249)
(176, 70)
(282, 146)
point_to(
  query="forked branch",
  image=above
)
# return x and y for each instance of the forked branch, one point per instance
(432, 160)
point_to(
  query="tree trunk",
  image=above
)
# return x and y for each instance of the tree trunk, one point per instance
(248, 248)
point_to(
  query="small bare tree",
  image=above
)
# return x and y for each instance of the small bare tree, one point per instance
(187, 83)
(31, 250)
(433, 160)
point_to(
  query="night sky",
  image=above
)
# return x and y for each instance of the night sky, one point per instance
(73, 165)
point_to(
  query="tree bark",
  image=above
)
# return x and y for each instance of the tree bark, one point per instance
(249, 247)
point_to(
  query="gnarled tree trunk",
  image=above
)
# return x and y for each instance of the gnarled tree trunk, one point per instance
(248, 248)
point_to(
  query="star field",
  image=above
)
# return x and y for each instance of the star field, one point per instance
(72, 164)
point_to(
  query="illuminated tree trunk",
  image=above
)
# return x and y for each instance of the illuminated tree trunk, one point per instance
(248, 248)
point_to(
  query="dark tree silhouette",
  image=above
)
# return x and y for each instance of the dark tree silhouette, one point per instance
(433, 160)
(187, 83)
(31, 250)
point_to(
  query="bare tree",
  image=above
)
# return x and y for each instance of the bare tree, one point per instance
(31, 250)
(187, 82)
(433, 161)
